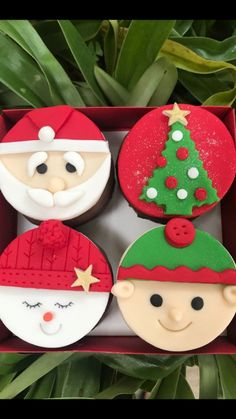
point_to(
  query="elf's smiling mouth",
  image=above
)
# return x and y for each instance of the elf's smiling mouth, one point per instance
(174, 330)
(50, 333)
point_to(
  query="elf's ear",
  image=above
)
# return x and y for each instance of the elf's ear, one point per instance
(229, 293)
(123, 289)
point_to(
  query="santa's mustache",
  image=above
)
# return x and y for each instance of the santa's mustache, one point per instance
(59, 199)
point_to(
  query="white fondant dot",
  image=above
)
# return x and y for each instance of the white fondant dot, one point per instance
(193, 173)
(151, 193)
(182, 194)
(46, 134)
(177, 135)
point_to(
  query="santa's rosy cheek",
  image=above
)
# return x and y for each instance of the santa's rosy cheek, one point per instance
(48, 316)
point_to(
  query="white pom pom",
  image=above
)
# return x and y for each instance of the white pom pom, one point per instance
(46, 134)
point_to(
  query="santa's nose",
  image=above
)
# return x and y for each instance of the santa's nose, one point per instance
(47, 317)
(175, 314)
(56, 184)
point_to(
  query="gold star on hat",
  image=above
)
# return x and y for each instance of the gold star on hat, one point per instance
(176, 115)
(85, 278)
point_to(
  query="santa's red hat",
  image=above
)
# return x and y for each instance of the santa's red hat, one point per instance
(53, 256)
(57, 128)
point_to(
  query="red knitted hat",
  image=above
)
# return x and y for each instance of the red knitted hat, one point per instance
(57, 128)
(53, 256)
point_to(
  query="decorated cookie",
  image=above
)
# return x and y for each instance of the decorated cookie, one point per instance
(56, 164)
(176, 287)
(54, 285)
(177, 160)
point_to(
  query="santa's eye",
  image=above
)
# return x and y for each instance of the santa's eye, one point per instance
(64, 305)
(156, 300)
(70, 168)
(28, 305)
(197, 303)
(42, 168)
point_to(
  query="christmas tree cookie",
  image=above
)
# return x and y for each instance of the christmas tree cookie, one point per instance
(176, 287)
(54, 285)
(55, 163)
(178, 160)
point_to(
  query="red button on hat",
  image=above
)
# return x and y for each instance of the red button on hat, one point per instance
(179, 232)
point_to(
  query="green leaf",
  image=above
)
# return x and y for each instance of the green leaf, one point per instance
(148, 83)
(210, 49)
(6, 379)
(126, 385)
(82, 55)
(146, 367)
(188, 60)
(182, 26)
(168, 386)
(10, 363)
(61, 373)
(209, 379)
(82, 378)
(148, 385)
(110, 45)
(20, 74)
(227, 371)
(115, 93)
(88, 29)
(38, 369)
(61, 88)
(221, 98)
(50, 31)
(140, 48)
(183, 390)
(202, 86)
(42, 388)
(154, 390)
(87, 94)
(165, 87)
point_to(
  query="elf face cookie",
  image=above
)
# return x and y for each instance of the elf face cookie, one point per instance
(54, 285)
(177, 160)
(56, 164)
(176, 287)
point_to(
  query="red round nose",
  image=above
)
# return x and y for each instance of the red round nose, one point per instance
(47, 317)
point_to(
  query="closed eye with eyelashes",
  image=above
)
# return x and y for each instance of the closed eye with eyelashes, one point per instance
(63, 305)
(28, 305)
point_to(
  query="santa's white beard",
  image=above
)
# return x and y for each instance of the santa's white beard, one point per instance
(41, 205)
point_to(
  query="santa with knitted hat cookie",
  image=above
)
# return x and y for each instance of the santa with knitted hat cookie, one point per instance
(54, 285)
(55, 164)
(176, 287)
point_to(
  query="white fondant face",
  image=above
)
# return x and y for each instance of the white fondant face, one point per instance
(176, 316)
(70, 183)
(50, 318)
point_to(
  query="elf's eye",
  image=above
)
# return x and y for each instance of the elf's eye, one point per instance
(197, 303)
(64, 305)
(28, 305)
(156, 300)
(70, 168)
(42, 168)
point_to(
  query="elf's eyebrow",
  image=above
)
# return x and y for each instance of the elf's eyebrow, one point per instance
(35, 160)
(76, 160)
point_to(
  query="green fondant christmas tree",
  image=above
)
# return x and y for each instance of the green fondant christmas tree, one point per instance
(179, 182)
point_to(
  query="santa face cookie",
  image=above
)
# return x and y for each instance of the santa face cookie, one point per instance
(56, 164)
(185, 282)
(177, 160)
(54, 285)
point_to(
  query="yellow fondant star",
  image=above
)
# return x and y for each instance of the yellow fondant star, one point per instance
(176, 115)
(85, 278)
